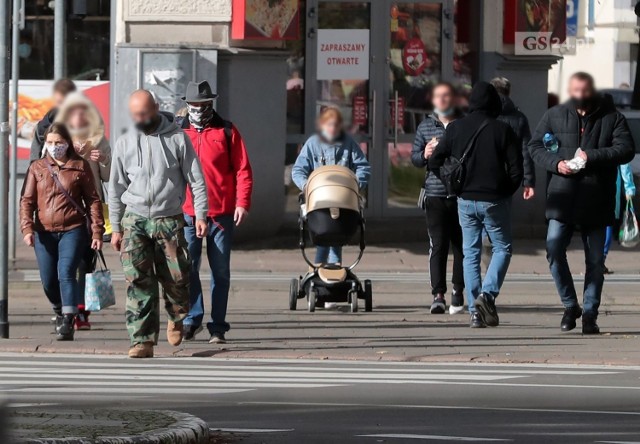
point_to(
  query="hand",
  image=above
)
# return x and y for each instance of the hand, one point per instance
(564, 169)
(528, 193)
(201, 228)
(96, 244)
(240, 215)
(430, 148)
(116, 240)
(96, 156)
(29, 239)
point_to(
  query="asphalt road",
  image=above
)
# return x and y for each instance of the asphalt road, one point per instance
(294, 401)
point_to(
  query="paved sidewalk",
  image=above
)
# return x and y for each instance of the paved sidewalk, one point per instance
(400, 327)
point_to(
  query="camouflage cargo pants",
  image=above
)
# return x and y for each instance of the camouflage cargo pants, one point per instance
(154, 251)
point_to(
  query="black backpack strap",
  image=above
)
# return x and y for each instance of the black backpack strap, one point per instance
(228, 135)
(472, 141)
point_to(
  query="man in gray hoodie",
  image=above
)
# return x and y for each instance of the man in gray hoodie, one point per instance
(151, 167)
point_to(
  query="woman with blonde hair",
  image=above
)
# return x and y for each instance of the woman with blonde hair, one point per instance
(86, 127)
(331, 145)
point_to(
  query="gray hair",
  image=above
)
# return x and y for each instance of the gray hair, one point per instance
(502, 85)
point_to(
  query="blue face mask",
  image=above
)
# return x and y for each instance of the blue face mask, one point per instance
(445, 112)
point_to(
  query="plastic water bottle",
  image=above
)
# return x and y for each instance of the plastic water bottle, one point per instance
(550, 143)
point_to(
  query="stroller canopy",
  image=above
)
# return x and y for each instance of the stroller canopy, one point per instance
(332, 187)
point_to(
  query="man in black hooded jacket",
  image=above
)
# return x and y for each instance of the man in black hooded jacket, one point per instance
(493, 174)
(584, 198)
(519, 123)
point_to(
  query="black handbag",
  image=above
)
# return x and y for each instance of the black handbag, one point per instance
(453, 171)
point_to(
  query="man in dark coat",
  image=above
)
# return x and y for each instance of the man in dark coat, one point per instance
(493, 174)
(583, 198)
(441, 209)
(519, 123)
(61, 89)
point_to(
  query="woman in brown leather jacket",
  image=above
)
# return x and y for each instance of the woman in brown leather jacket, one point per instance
(59, 210)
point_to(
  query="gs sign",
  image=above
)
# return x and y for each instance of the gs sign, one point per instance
(536, 43)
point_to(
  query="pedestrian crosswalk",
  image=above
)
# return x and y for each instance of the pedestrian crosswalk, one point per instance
(43, 376)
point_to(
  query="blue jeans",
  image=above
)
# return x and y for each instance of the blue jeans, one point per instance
(328, 255)
(559, 237)
(219, 239)
(476, 219)
(59, 255)
(608, 241)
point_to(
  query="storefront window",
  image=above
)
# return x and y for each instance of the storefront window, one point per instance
(351, 94)
(465, 51)
(87, 42)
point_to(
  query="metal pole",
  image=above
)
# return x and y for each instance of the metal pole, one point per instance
(13, 166)
(58, 39)
(5, 9)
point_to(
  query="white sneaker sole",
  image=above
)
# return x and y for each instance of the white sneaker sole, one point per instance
(456, 310)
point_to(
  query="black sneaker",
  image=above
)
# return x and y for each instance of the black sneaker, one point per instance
(569, 317)
(439, 305)
(486, 307)
(217, 338)
(476, 321)
(64, 332)
(589, 325)
(190, 332)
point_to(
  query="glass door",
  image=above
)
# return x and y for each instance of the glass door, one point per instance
(419, 56)
(377, 61)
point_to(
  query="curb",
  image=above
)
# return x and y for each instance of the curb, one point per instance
(187, 429)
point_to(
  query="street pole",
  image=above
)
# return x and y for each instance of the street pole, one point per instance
(5, 6)
(16, 26)
(635, 99)
(58, 39)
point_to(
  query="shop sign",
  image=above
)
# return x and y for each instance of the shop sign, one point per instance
(359, 113)
(343, 54)
(265, 19)
(414, 57)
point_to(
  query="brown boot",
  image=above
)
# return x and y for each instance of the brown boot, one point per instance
(141, 350)
(174, 333)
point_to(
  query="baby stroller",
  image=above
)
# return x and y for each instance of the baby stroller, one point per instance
(330, 215)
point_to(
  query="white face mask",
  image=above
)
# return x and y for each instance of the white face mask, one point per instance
(57, 151)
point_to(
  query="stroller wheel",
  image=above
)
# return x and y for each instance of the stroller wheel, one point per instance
(294, 289)
(311, 297)
(368, 296)
(354, 301)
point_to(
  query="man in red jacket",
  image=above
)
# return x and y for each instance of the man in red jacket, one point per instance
(229, 180)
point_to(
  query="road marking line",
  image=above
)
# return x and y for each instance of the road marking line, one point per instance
(32, 367)
(239, 375)
(434, 437)
(127, 391)
(618, 442)
(438, 407)
(52, 358)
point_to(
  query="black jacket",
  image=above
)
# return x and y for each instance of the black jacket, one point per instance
(494, 168)
(428, 129)
(38, 135)
(520, 125)
(586, 198)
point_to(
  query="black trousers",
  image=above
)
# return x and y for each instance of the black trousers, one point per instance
(444, 230)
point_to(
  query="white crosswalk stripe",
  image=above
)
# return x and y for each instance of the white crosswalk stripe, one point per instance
(55, 374)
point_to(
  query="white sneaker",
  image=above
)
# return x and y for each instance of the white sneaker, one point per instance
(330, 305)
(454, 310)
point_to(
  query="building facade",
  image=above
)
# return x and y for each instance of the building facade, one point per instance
(276, 63)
